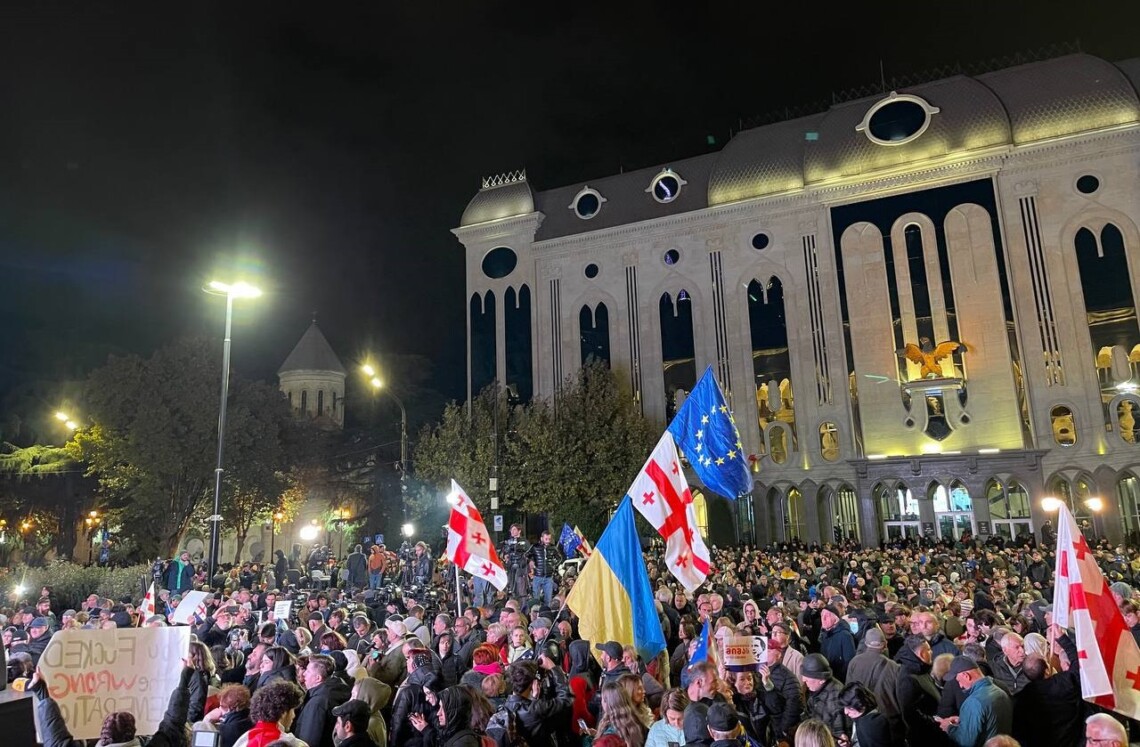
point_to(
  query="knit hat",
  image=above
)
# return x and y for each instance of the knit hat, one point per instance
(875, 640)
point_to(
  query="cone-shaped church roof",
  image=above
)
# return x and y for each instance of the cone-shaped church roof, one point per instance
(312, 353)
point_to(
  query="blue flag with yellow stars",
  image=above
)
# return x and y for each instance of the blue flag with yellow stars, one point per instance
(569, 541)
(705, 431)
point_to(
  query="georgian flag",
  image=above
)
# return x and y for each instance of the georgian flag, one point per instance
(146, 609)
(469, 543)
(1109, 656)
(662, 495)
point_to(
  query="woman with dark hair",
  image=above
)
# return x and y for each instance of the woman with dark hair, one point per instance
(869, 728)
(332, 641)
(118, 727)
(450, 666)
(671, 726)
(481, 708)
(453, 728)
(276, 664)
(749, 704)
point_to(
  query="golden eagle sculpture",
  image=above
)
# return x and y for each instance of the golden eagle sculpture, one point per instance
(928, 356)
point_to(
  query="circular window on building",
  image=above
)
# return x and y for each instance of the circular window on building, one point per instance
(1088, 184)
(591, 271)
(499, 262)
(587, 203)
(761, 241)
(897, 119)
(666, 186)
(671, 257)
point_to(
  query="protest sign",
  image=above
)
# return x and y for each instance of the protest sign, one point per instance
(92, 673)
(745, 654)
(281, 610)
(184, 613)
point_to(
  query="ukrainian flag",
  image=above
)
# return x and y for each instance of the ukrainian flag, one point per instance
(612, 596)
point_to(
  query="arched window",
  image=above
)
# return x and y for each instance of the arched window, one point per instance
(1128, 494)
(305, 401)
(953, 511)
(794, 524)
(483, 342)
(771, 364)
(846, 513)
(594, 326)
(1009, 509)
(677, 346)
(829, 441)
(1127, 413)
(1110, 306)
(779, 438)
(320, 402)
(898, 511)
(1064, 425)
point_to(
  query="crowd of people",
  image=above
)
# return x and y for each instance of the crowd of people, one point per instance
(920, 644)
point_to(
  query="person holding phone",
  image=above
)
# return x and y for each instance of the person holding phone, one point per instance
(669, 730)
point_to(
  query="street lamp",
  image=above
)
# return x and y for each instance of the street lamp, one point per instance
(1095, 504)
(67, 420)
(1050, 504)
(230, 291)
(377, 384)
(310, 531)
(408, 530)
(277, 519)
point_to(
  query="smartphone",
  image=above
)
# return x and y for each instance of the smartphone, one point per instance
(674, 744)
(582, 725)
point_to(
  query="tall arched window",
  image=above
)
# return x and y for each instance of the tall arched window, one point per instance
(677, 346)
(595, 333)
(483, 341)
(898, 511)
(795, 526)
(771, 364)
(846, 507)
(320, 402)
(1010, 514)
(779, 438)
(517, 338)
(305, 401)
(1110, 306)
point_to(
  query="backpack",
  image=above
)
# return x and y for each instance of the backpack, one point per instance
(503, 729)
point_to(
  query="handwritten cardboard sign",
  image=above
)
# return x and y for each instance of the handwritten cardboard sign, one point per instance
(745, 654)
(91, 673)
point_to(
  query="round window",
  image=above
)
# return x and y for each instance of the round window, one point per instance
(897, 119)
(1088, 184)
(591, 270)
(761, 241)
(499, 262)
(587, 203)
(671, 257)
(666, 188)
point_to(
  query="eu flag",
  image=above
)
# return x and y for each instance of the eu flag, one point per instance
(705, 431)
(569, 541)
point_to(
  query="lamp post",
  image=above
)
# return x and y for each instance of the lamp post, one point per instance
(1096, 505)
(277, 518)
(230, 291)
(378, 384)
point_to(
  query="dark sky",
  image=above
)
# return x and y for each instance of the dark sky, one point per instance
(329, 147)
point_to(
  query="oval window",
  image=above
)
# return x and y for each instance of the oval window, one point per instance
(761, 241)
(666, 188)
(499, 262)
(671, 257)
(898, 121)
(1088, 184)
(591, 271)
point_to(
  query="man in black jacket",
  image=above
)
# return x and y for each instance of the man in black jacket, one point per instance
(541, 714)
(781, 693)
(544, 559)
(411, 700)
(324, 692)
(1048, 709)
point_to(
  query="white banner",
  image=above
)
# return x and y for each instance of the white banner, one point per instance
(745, 654)
(281, 611)
(184, 613)
(91, 673)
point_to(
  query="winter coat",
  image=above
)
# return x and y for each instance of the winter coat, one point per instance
(410, 700)
(918, 697)
(1014, 678)
(753, 716)
(199, 690)
(377, 695)
(824, 705)
(539, 719)
(1049, 711)
(171, 731)
(838, 647)
(265, 733)
(784, 702)
(357, 567)
(880, 675)
(314, 722)
(987, 712)
(873, 730)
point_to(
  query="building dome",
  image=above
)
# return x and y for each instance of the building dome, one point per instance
(762, 161)
(505, 196)
(312, 378)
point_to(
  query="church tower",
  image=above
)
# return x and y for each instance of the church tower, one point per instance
(312, 378)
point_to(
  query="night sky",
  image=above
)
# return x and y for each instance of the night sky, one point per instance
(327, 148)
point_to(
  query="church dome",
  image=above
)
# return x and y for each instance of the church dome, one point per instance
(312, 353)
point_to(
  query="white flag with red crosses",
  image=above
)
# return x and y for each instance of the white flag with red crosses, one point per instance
(661, 493)
(1109, 656)
(146, 609)
(469, 544)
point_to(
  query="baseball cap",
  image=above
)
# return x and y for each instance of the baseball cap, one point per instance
(961, 664)
(353, 710)
(39, 622)
(722, 717)
(612, 648)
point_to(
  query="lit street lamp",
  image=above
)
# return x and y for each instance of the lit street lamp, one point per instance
(230, 291)
(377, 385)
(277, 519)
(1095, 504)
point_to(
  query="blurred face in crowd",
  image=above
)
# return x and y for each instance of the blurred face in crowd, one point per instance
(676, 719)
(828, 619)
(313, 676)
(518, 637)
(705, 609)
(516, 532)
(813, 684)
(927, 625)
(1013, 646)
(744, 684)
(565, 629)
(779, 637)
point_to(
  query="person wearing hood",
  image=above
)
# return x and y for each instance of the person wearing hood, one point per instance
(695, 724)
(324, 692)
(276, 664)
(410, 699)
(376, 695)
(583, 683)
(119, 727)
(453, 721)
(273, 710)
(449, 665)
(917, 693)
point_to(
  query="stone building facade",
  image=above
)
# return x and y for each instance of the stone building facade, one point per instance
(826, 266)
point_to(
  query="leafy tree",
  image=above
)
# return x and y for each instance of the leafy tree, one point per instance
(572, 460)
(42, 494)
(154, 439)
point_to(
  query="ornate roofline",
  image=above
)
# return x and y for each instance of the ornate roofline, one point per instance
(500, 180)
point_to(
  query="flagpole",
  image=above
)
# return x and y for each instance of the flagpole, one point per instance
(458, 594)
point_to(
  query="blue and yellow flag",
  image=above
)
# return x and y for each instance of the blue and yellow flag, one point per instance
(705, 431)
(612, 596)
